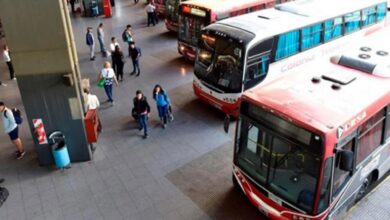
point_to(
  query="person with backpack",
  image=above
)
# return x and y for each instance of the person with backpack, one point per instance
(108, 75)
(135, 54)
(162, 101)
(142, 110)
(91, 43)
(11, 119)
(119, 62)
(127, 35)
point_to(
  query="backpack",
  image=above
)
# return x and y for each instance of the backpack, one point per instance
(4, 193)
(17, 115)
(124, 36)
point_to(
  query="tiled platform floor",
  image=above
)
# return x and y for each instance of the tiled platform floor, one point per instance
(182, 172)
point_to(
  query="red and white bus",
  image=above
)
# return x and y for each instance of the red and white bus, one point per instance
(172, 14)
(310, 144)
(197, 14)
(160, 7)
(239, 53)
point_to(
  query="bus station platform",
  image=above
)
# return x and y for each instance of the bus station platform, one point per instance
(375, 206)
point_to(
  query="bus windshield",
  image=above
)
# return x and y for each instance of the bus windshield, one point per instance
(172, 10)
(189, 28)
(219, 63)
(280, 157)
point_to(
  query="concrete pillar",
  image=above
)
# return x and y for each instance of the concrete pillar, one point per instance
(40, 38)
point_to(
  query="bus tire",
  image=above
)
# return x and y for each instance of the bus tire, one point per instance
(364, 188)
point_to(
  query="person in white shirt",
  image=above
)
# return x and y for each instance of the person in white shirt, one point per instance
(109, 77)
(12, 129)
(113, 44)
(8, 61)
(92, 104)
(150, 8)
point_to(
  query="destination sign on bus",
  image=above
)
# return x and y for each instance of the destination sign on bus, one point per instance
(194, 11)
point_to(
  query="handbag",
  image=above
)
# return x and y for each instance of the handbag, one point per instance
(134, 113)
(101, 83)
(170, 113)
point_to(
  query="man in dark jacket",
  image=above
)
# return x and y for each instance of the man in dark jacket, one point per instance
(90, 42)
(135, 54)
(142, 109)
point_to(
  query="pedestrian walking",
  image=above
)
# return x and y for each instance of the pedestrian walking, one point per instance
(108, 75)
(113, 44)
(91, 43)
(150, 10)
(135, 54)
(100, 34)
(155, 17)
(12, 129)
(119, 61)
(8, 61)
(162, 101)
(142, 110)
(92, 104)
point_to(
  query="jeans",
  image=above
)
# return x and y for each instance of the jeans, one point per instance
(102, 46)
(92, 51)
(143, 123)
(11, 69)
(108, 89)
(136, 66)
(162, 113)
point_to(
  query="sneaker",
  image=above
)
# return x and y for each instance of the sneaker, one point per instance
(145, 136)
(1, 180)
(13, 78)
(112, 103)
(140, 128)
(3, 84)
(132, 73)
(164, 126)
(20, 155)
(137, 74)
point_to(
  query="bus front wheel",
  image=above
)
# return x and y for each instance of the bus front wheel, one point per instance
(364, 188)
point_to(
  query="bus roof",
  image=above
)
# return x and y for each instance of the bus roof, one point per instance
(292, 15)
(325, 108)
(219, 6)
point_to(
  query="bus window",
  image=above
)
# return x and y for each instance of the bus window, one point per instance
(325, 187)
(311, 36)
(387, 135)
(352, 21)
(369, 16)
(288, 44)
(333, 29)
(254, 152)
(256, 71)
(340, 177)
(370, 136)
(381, 11)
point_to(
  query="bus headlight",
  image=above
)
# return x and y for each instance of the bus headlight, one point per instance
(181, 48)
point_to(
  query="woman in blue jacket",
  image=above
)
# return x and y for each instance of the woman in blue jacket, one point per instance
(162, 101)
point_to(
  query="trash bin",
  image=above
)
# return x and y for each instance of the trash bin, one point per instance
(59, 150)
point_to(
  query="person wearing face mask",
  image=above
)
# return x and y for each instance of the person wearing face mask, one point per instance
(142, 109)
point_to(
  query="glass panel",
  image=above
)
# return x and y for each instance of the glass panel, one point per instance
(189, 28)
(288, 44)
(172, 10)
(256, 71)
(311, 36)
(340, 177)
(369, 16)
(220, 62)
(333, 29)
(388, 123)
(293, 173)
(381, 11)
(254, 153)
(352, 21)
(325, 186)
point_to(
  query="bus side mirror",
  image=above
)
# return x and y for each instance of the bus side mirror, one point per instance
(226, 123)
(346, 160)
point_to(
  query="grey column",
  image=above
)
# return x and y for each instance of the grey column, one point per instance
(40, 38)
